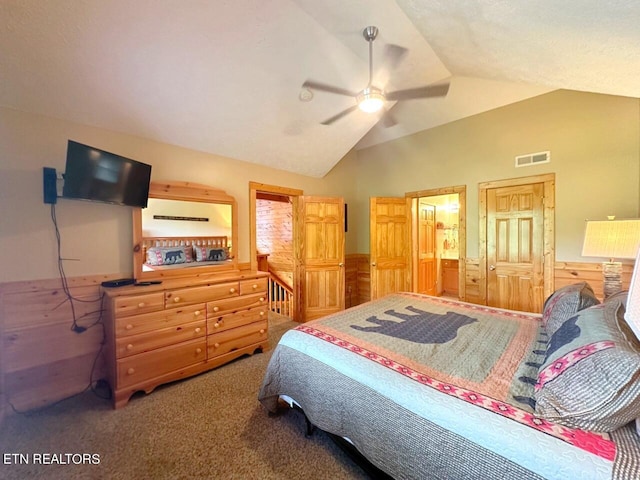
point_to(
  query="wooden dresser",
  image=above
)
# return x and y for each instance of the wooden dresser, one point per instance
(160, 333)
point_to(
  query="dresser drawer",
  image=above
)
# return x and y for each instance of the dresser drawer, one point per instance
(233, 320)
(163, 337)
(449, 263)
(145, 366)
(132, 305)
(247, 287)
(149, 322)
(227, 305)
(186, 296)
(235, 338)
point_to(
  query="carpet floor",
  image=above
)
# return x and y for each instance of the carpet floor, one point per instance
(210, 426)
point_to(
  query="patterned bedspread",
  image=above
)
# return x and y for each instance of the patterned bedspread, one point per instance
(462, 373)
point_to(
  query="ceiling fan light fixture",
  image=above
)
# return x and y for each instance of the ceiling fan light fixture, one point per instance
(370, 100)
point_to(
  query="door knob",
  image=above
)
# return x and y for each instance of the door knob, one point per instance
(492, 267)
(373, 264)
(341, 264)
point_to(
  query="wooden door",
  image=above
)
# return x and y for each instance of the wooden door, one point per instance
(390, 245)
(319, 256)
(427, 249)
(515, 247)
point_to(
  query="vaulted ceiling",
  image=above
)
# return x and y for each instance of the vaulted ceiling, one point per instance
(225, 77)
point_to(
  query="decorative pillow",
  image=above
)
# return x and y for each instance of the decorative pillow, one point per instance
(590, 378)
(564, 303)
(619, 298)
(632, 315)
(207, 254)
(169, 255)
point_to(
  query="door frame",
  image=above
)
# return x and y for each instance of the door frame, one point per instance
(254, 188)
(548, 211)
(461, 190)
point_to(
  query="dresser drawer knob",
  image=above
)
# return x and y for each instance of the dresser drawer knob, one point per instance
(176, 299)
(129, 326)
(198, 330)
(215, 309)
(198, 350)
(262, 330)
(254, 286)
(141, 304)
(217, 324)
(197, 313)
(216, 345)
(262, 299)
(261, 313)
(130, 346)
(131, 371)
(232, 290)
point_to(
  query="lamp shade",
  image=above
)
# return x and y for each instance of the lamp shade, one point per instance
(611, 238)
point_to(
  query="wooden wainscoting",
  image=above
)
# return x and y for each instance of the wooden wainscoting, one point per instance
(472, 281)
(42, 359)
(565, 273)
(357, 279)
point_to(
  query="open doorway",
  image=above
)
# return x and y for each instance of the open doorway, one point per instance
(271, 242)
(439, 241)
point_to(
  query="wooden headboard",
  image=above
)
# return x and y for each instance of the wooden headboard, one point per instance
(211, 242)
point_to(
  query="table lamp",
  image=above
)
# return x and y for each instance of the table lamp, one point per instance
(612, 239)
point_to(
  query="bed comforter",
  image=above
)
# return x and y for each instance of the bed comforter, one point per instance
(426, 387)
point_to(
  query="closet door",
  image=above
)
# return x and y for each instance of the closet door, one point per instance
(390, 245)
(319, 256)
(515, 246)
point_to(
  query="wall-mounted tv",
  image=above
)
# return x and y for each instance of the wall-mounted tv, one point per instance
(99, 176)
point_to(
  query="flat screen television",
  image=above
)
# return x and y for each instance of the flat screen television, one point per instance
(99, 176)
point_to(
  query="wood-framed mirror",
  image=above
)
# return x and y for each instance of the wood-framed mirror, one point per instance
(187, 229)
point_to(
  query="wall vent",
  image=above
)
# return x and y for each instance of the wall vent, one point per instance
(533, 159)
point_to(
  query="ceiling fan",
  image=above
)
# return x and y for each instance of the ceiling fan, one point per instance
(372, 99)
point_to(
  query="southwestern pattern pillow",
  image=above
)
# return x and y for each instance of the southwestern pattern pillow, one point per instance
(207, 254)
(169, 255)
(590, 378)
(564, 303)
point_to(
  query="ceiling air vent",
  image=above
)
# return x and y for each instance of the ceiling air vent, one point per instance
(533, 159)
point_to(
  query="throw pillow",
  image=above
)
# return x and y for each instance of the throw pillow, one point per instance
(590, 378)
(564, 303)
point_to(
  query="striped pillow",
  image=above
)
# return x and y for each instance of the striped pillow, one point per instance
(632, 315)
(590, 378)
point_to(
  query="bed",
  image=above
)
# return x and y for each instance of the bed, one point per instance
(426, 387)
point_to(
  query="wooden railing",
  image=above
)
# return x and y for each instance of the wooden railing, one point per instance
(280, 297)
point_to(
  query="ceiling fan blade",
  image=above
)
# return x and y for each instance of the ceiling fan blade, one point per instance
(329, 121)
(393, 55)
(327, 88)
(420, 92)
(388, 120)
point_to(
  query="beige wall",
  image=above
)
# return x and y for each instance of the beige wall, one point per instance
(594, 142)
(595, 151)
(97, 238)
